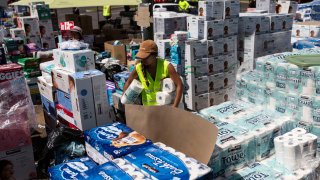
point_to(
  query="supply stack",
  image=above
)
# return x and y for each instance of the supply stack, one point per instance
(74, 91)
(262, 34)
(307, 32)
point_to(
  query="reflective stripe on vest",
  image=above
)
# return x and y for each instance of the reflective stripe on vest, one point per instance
(106, 10)
(149, 92)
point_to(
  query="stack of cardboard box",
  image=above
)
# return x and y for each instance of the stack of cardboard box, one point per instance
(302, 30)
(74, 90)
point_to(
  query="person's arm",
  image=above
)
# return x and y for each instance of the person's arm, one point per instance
(132, 76)
(177, 81)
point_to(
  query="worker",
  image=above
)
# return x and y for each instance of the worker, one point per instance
(184, 6)
(107, 12)
(150, 71)
(76, 33)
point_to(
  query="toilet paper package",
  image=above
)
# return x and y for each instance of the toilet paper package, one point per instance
(234, 149)
(293, 108)
(113, 170)
(307, 81)
(132, 93)
(256, 171)
(270, 74)
(281, 76)
(305, 105)
(294, 79)
(280, 101)
(180, 166)
(71, 169)
(317, 80)
(316, 111)
(115, 140)
(255, 93)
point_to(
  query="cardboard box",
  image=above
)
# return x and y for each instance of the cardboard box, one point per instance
(164, 48)
(46, 28)
(215, 65)
(231, 9)
(160, 36)
(169, 24)
(275, 23)
(230, 62)
(60, 79)
(195, 50)
(64, 99)
(299, 30)
(287, 7)
(229, 78)
(213, 29)
(216, 82)
(30, 25)
(265, 24)
(74, 61)
(201, 67)
(215, 98)
(49, 107)
(46, 89)
(65, 114)
(205, 9)
(314, 31)
(229, 44)
(48, 43)
(17, 32)
(20, 162)
(267, 5)
(198, 102)
(215, 48)
(117, 51)
(195, 26)
(217, 10)
(230, 27)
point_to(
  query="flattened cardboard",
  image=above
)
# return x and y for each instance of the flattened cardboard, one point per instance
(179, 129)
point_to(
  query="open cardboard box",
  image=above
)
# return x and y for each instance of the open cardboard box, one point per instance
(181, 130)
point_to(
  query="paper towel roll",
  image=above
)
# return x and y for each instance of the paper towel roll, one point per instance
(278, 145)
(163, 98)
(298, 131)
(290, 135)
(292, 155)
(168, 85)
(241, 162)
(132, 93)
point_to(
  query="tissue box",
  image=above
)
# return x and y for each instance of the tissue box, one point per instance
(195, 26)
(21, 161)
(115, 140)
(74, 61)
(88, 98)
(30, 25)
(46, 89)
(71, 169)
(121, 79)
(231, 9)
(10, 71)
(49, 106)
(213, 29)
(189, 168)
(60, 79)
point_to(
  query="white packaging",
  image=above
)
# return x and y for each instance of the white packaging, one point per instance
(217, 12)
(292, 155)
(195, 50)
(216, 82)
(287, 22)
(275, 23)
(95, 155)
(299, 30)
(229, 44)
(249, 23)
(164, 98)
(265, 24)
(82, 100)
(60, 79)
(268, 5)
(215, 48)
(201, 101)
(229, 78)
(132, 93)
(200, 68)
(314, 31)
(46, 89)
(287, 7)
(169, 24)
(213, 29)
(205, 9)
(164, 48)
(17, 32)
(231, 9)
(215, 65)
(195, 26)
(160, 36)
(201, 85)
(168, 85)
(74, 61)
(30, 25)
(182, 36)
(230, 27)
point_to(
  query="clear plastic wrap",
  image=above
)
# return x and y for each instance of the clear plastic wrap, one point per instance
(73, 45)
(17, 114)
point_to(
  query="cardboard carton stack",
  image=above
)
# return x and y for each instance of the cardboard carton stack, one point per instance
(262, 34)
(30, 25)
(74, 90)
(279, 7)
(303, 30)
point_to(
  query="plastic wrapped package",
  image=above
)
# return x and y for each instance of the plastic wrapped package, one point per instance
(73, 45)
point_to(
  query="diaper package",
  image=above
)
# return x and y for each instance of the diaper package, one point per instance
(118, 169)
(71, 169)
(159, 161)
(115, 140)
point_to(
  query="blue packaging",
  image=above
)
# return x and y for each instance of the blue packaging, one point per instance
(115, 140)
(162, 164)
(110, 88)
(120, 79)
(49, 106)
(175, 54)
(64, 100)
(71, 169)
(108, 170)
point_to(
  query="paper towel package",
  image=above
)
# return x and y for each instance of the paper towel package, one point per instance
(181, 166)
(46, 89)
(234, 149)
(60, 79)
(113, 170)
(195, 26)
(74, 61)
(115, 140)
(231, 9)
(121, 79)
(71, 169)
(213, 29)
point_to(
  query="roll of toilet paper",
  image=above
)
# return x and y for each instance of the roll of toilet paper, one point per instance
(305, 105)
(292, 155)
(168, 85)
(312, 143)
(307, 81)
(290, 135)
(316, 70)
(294, 79)
(132, 93)
(278, 145)
(163, 98)
(299, 131)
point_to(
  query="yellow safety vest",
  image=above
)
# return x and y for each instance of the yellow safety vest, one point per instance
(183, 5)
(149, 92)
(106, 11)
